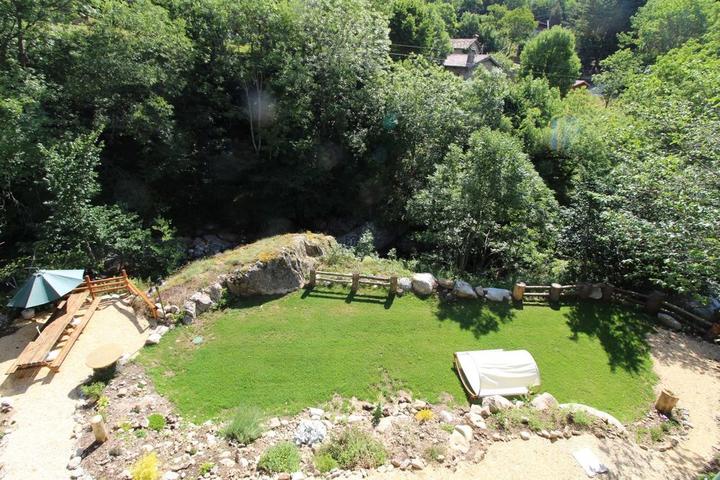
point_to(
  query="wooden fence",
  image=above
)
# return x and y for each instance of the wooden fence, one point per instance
(121, 283)
(355, 280)
(654, 302)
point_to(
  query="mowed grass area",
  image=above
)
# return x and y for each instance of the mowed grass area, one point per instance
(285, 354)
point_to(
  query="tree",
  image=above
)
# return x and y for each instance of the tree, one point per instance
(485, 208)
(417, 28)
(552, 55)
(519, 25)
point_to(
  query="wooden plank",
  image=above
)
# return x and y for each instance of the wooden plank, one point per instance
(348, 275)
(375, 277)
(75, 334)
(151, 305)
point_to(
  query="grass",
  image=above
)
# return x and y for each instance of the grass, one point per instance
(285, 354)
(283, 457)
(244, 426)
(353, 448)
(324, 462)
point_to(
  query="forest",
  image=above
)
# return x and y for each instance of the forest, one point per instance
(126, 124)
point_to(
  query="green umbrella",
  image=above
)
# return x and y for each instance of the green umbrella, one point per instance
(45, 286)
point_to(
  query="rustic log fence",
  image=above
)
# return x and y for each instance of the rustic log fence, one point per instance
(355, 280)
(121, 283)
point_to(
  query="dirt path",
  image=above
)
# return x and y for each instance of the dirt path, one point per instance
(689, 368)
(44, 404)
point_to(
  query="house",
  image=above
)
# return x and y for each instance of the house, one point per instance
(467, 56)
(580, 84)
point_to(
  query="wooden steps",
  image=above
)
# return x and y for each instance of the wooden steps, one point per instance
(72, 333)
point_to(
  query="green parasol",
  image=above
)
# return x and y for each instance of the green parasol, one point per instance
(45, 286)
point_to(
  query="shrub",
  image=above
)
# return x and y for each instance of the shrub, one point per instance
(354, 448)
(93, 390)
(581, 418)
(377, 414)
(140, 433)
(205, 468)
(424, 415)
(283, 457)
(324, 462)
(434, 453)
(146, 468)
(245, 425)
(156, 421)
(366, 244)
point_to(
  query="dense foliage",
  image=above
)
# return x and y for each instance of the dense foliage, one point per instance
(122, 123)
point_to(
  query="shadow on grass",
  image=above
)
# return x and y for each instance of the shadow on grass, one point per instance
(478, 317)
(349, 296)
(250, 302)
(622, 332)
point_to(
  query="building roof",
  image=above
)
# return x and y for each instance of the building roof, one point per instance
(462, 43)
(580, 84)
(461, 60)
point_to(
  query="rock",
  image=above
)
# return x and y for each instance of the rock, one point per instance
(544, 401)
(446, 416)
(423, 283)
(497, 437)
(171, 476)
(273, 423)
(480, 291)
(298, 476)
(227, 462)
(525, 435)
(384, 424)
(162, 330)
(284, 476)
(419, 404)
(203, 302)
(282, 270)
(446, 283)
(74, 463)
(417, 464)
(463, 289)
(465, 431)
(172, 309)
(595, 292)
(309, 432)
(606, 417)
(496, 403)
(153, 339)
(316, 412)
(355, 418)
(544, 433)
(405, 284)
(555, 434)
(483, 411)
(28, 314)
(215, 291)
(459, 442)
(497, 294)
(189, 313)
(669, 321)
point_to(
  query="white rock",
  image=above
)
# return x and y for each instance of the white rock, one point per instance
(273, 423)
(355, 418)
(446, 416)
(153, 339)
(477, 421)
(202, 301)
(190, 312)
(215, 292)
(463, 289)
(496, 403)
(417, 464)
(384, 424)
(525, 435)
(227, 462)
(316, 412)
(419, 404)
(74, 463)
(423, 283)
(28, 314)
(170, 476)
(669, 321)
(298, 476)
(162, 329)
(405, 283)
(464, 430)
(309, 432)
(497, 294)
(544, 401)
(458, 442)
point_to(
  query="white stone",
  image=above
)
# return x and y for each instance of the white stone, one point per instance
(464, 430)
(525, 435)
(497, 294)
(405, 284)
(28, 314)
(162, 329)
(153, 339)
(423, 283)
(463, 289)
(227, 462)
(202, 301)
(273, 423)
(298, 476)
(544, 401)
(446, 416)
(170, 476)
(458, 442)
(477, 421)
(496, 403)
(384, 424)
(316, 412)
(74, 463)
(215, 292)
(309, 432)
(355, 418)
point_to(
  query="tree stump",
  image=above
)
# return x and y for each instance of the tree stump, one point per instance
(99, 429)
(518, 291)
(555, 289)
(355, 282)
(666, 402)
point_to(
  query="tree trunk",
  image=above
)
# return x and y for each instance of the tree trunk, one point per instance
(666, 402)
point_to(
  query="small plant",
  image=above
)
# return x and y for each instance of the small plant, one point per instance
(434, 453)
(448, 427)
(245, 426)
(93, 390)
(377, 414)
(366, 244)
(125, 426)
(354, 448)
(324, 462)
(580, 418)
(424, 415)
(156, 421)
(206, 468)
(146, 468)
(102, 405)
(140, 433)
(657, 434)
(283, 457)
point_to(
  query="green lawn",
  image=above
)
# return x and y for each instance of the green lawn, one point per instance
(289, 353)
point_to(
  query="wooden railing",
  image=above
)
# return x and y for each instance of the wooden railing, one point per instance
(121, 283)
(355, 280)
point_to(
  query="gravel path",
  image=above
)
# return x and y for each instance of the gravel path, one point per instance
(44, 404)
(686, 366)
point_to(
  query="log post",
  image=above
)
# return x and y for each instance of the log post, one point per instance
(393, 284)
(99, 429)
(88, 282)
(608, 291)
(518, 292)
(313, 278)
(666, 402)
(654, 302)
(555, 289)
(355, 281)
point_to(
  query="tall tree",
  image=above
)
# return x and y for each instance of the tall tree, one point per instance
(417, 28)
(552, 55)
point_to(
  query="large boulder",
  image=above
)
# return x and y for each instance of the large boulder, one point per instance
(463, 289)
(544, 401)
(497, 294)
(203, 302)
(423, 283)
(669, 321)
(310, 432)
(189, 312)
(496, 403)
(281, 271)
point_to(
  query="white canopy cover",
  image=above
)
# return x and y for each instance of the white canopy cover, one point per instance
(497, 372)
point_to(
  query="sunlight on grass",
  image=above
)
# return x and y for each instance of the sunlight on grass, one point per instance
(296, 351)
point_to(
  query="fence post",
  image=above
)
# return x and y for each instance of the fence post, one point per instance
(555, 289)
(393, 284)
(518, 291)
(98, 428)
(355, 281)
(88, 282)
(313, 278)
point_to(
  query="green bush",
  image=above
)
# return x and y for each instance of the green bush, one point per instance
(581, 418)
(245, 426)
(205, 468)
(324, 462)
(156, 421)
(146, 468)
(354, 448)
(93, 390)
(283, 457)
(377, 414)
